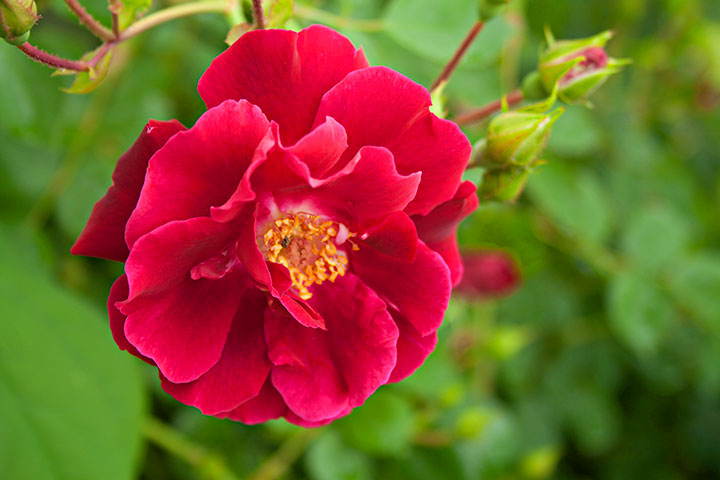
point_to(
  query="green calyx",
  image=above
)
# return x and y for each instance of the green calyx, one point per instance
(517, 138)
(561, 65)
(17, 17)
(487, 9)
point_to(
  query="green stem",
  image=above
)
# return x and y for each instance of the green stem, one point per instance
(171, 13)
(172, 441)
(279, 462)
(312, 14)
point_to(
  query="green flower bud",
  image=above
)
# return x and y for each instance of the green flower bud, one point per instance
(17, 17)
(504, 185)
(577, 67)
(517, 138)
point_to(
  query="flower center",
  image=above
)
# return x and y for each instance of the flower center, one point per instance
(307, 246)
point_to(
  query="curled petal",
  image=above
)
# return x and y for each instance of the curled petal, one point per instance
(199, 168)
(402, 283)
(119, 293)
(267, 405)
(413, 348)
(438, 228)
(283, 72)
(402, 122)
(243, 366)
(104, 234)
(346, 363)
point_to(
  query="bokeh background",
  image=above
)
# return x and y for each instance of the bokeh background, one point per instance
(604, 363)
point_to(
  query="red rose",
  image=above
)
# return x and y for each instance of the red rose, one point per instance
(272, 262)
(488, 273)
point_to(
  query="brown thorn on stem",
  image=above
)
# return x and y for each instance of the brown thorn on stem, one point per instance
(97, 28)
(258, 15)
(52, 60)
(453, 63)
(513, 98)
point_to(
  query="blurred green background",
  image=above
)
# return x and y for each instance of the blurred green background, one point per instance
(604, 364)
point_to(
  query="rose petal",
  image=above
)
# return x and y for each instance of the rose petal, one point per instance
(267, 405)
(198, 168)
(283, 72)
(166, 256)
(346, 363)
(395, 237)
(402, 122)
(119, 293)
(419, 289)
(184, 329)
(413, 348)
(242, 368)
(364, 192)
(302, 312)
(321, 148)
(104, 234)
(438, 228)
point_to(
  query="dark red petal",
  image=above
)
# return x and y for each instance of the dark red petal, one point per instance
(119, 293)
(104, 234)
(243, 192)
(198, 168)
(366, 191)
(184, 329)
(420, 289)
(413, 348)
(302, 312)
(267, 405)
(284, 73)
(321, 148)
(438, 228)
(378, 106)
(166, 256)
(395, 237)
(297, 420)
(242, 368)
(322, 374)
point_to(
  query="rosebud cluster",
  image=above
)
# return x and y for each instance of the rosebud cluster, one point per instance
(511, 149)
(17, 17)
(577, 67)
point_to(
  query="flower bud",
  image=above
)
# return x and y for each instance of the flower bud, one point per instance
(504, 184)
(488, 273)
(578, 67)
(17, 17)
(517, 138)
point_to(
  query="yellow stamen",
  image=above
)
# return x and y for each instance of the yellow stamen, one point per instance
(306, 246)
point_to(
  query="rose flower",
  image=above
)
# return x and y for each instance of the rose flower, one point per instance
(273, 266)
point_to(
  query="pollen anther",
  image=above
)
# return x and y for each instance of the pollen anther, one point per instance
(307, 247)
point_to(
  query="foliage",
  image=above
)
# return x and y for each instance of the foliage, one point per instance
(603, 365)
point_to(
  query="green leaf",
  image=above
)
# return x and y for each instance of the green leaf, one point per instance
(277, 12)
(329, 459)
(86, 82)
(71, 402)
(574, 198)
(655, 236)
(639, 313)
(695, 283)
(382, 426)
(129, 10)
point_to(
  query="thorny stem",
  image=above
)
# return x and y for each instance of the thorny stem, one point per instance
(97, 28)
(52, 60)
(513, 98)
(115, 24)
(337, 21)
(453, 63)
(157, 18)
(258, 15)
